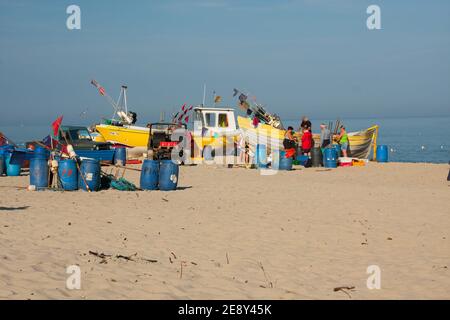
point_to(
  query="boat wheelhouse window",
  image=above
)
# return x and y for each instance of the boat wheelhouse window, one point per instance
(223, 120)
(210, 119)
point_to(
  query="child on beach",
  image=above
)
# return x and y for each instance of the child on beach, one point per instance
(307, 141)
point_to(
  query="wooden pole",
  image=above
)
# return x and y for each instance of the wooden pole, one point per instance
(127, 168)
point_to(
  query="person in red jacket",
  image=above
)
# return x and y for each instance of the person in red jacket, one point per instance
(307, 141)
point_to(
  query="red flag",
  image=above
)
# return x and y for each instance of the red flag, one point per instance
(55, 125)
(186, 119)
(184, 105)
(101, 90)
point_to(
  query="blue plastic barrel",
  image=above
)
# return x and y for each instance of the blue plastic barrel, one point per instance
(261, 156)
(149, 175)
(68, 174)
(40, 152)
(285, 163)
(303, 159)
(120, 156)
(39, 172)
(329, 158)
(337, 149)
(90, 170)
(382, 153)
(11, 169)
(168, 175)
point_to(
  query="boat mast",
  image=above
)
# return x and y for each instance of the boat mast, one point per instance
(120, 107)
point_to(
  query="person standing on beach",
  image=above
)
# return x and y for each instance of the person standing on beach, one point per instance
(343, 141)
(243, 148)
(307, 141)
(289, 143)
(325, 136)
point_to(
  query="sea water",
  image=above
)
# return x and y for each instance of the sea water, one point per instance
(408, 139)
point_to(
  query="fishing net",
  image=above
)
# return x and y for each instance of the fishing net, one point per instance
(121, 184)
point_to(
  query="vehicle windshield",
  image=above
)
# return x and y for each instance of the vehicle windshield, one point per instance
(80, 134)
(160, 126)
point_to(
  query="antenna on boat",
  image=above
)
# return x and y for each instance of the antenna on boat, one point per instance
(124, 88)
(204, 94)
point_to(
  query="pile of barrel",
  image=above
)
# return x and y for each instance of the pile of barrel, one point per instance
(328, 158)
(159, 174)
(71, 174)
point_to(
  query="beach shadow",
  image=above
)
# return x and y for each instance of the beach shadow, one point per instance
(184, 188)
(13, 208)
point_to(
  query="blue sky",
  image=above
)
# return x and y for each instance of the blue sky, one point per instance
(312, 57)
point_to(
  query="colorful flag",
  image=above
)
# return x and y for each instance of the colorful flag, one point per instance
(242, 97)
(55, 125)
(186, 119)
(50, 142)
(178, 117)
(101, 90)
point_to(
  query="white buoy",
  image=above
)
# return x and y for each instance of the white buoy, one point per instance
(71, 152)
(422, 147)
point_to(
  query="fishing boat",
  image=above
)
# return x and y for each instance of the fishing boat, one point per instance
(262, 133)
(127, 135)
(122, 130)
(361, 143)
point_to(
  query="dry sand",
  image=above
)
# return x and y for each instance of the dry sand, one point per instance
(237, 234)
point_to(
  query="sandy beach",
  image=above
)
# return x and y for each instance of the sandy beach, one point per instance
(234, 234)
